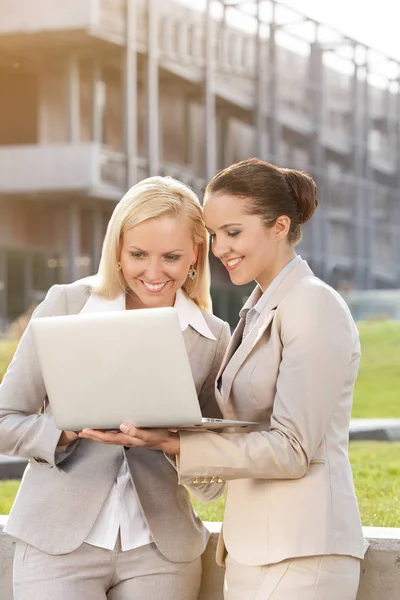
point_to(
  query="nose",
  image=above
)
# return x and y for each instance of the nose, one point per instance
(219, 247)
(153, 271)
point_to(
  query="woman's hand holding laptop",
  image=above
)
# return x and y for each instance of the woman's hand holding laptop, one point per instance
(155, 439)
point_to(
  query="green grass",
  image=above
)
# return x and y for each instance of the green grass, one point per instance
(8, 491)
(377, 391)
(7, 349)
(376, 468)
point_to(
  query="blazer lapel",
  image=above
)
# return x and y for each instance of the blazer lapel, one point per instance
(244, 349)
(190, 337)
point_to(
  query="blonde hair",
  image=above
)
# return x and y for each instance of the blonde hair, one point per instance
(149, 199)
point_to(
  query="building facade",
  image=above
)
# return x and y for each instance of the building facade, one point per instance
(97, 94)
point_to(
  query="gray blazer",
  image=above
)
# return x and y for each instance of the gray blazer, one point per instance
(61, 495)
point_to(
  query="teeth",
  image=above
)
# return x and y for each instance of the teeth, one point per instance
(233, 262)
(154, 288)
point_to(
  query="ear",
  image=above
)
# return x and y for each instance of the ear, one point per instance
(282, 226)
(195, 254)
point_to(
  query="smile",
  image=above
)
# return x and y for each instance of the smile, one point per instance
(154, 287)
(233, 263)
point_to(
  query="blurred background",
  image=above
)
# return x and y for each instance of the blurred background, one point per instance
(97, 94)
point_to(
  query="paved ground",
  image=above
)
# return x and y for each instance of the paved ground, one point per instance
(360, 429)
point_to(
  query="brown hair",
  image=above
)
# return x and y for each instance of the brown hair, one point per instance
(270, 192)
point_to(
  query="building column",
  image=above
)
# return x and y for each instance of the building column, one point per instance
(130, 104)
(97, 103)
(361, 170)
(320, 224)
(73, 99)
(209, 94)
(153, 114)
(28, 279)
(97, 237)
(74, 241)
(3, 287)
(275, 132)
(260, 115)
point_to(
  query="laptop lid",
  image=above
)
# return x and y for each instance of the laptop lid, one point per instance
(106, 368)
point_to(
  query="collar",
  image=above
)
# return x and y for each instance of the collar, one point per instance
(188, 312)
(257, 299)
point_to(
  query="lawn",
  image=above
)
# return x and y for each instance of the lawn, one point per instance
(376, 468)
(377, 391)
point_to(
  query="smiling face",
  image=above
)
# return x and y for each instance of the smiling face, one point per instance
(155, 259)
(248, 249)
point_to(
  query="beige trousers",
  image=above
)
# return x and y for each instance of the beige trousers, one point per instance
(91, 573)
(309, 578)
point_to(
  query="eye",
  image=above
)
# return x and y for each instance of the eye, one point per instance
(233, 233)
(172, 257)
(136, 254)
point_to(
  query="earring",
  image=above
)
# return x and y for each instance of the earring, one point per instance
(192, 272)
(119, 266)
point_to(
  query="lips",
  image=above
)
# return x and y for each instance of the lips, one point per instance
(232, 263)
(154, 288)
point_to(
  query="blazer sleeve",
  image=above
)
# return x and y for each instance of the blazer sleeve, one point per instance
(210, 489)
(24, 432)
(319, 359)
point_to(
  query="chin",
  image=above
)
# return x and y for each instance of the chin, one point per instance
(239, 279)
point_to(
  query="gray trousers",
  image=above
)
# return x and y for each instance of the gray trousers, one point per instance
(92, 573)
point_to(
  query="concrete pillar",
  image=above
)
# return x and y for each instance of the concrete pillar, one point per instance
(260, 115)
(97, 237)
(73, 99)
(28, 279)
(368, 226)
(74, 241)
(3, 287)
(361, 169)
(130, 100)
(153, 116)
(319, 225)
(97, 103)
(209, 94)
(275, 133)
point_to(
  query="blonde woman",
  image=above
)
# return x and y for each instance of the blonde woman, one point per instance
(92, 520)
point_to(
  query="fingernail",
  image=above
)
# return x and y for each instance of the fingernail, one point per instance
(124, 428)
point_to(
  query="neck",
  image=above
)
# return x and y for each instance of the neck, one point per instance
(133, 302)
(267, 277)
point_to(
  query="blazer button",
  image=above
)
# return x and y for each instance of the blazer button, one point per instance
(195, 482)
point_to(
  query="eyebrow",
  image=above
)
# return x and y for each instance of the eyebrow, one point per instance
(145, 251)
(227, 226)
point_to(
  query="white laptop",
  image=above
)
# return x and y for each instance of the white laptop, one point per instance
(103, 369)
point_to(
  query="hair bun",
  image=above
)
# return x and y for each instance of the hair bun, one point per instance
(304, 190)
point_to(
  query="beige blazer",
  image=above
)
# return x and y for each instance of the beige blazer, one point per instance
(61, 496)
(290, 489)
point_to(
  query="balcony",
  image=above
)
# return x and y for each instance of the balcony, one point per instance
(66, 168)
(27, 17)
(82, 168)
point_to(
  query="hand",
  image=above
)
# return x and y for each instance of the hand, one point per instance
(67, 437)
(155, 439)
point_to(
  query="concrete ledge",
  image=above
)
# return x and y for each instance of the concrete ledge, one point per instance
(380, 571)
